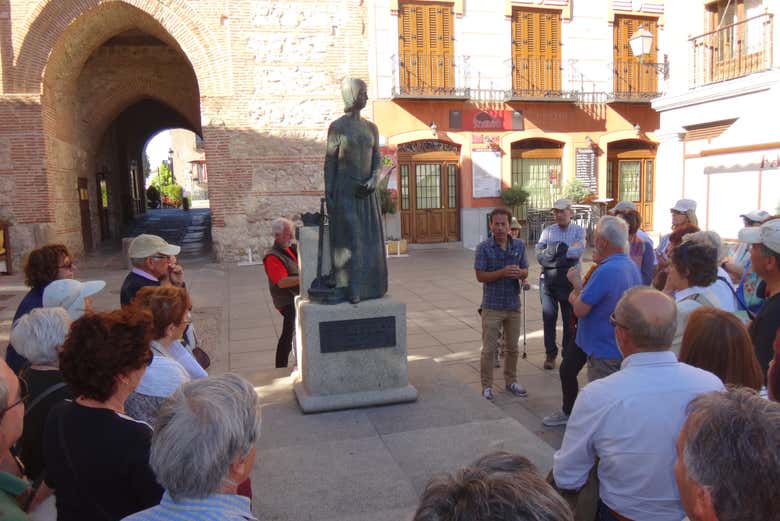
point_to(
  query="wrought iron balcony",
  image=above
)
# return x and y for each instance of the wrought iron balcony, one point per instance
(634, 81)
(542, 79)
(430, 76)
(732, 51)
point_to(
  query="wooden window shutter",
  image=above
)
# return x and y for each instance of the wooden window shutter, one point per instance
(536, 50)
(631, 76)
(426, 47)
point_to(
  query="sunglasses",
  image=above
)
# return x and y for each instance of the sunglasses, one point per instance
(614, 323)
(24, 393)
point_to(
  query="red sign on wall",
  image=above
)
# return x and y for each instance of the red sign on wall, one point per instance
(487, 120)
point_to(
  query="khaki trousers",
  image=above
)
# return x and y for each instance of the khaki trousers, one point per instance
(493, 320)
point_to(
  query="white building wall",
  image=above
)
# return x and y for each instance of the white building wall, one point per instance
(725, 184)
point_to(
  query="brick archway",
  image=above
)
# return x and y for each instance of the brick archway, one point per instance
(82, 25)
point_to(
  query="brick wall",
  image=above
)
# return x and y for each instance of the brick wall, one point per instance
(259, 79)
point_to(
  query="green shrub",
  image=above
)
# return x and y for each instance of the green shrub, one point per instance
(514, 196)
(576, 191)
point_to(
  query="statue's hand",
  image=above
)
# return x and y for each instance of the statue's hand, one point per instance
(368, 187)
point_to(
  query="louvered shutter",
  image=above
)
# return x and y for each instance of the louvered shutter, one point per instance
(631, 77)
(425, 33)
(536, 40)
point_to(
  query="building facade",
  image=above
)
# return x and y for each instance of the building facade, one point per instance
(85, 83)
(719, 141)
(474, 97)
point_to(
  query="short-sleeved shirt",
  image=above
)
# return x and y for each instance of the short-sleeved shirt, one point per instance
(502, 293)
(763, 330)
(615, 274)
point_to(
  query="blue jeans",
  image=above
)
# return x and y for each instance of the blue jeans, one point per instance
(552, 299)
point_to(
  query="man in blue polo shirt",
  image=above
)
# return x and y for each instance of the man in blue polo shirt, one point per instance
(500, 264)
(594, 303)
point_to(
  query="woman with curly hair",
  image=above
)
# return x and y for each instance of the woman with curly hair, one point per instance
(169, 307)
(97, 457)
(42, 266)
(693, 266)
(716, 341)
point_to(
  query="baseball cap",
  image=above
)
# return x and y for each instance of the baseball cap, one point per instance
(515, 224)
(683, 205)
(623, 206)
(562, 204)
(70, 294)
(767, 234)
(147, 245)
(756, 216)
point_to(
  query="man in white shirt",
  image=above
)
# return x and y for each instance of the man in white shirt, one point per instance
(629, 420)
(728, 457)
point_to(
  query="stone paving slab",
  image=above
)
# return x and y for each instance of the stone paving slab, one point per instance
(444, 331)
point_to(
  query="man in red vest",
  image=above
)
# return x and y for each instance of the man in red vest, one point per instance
(281, 266)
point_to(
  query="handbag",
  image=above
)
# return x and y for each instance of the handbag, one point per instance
(200, 356)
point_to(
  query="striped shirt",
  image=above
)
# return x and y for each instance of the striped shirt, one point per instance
(573, 233)
(216, 507)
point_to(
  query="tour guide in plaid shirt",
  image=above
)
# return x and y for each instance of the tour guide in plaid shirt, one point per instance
(501, 264)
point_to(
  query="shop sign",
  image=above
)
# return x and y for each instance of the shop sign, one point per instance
(488, 120)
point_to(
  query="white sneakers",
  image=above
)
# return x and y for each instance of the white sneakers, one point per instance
(488, 393)
(555, 419)
(517, 390)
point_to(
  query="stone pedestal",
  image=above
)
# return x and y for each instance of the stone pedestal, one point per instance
(351, 355)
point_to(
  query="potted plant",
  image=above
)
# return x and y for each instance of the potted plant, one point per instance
(515, 198)
(576, 191)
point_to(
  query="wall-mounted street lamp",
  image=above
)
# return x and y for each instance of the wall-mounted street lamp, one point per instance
(434, 128)
(641, 43)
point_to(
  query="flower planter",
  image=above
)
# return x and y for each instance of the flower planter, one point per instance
(397, 247)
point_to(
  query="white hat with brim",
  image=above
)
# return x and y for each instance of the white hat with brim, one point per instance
(146, 245)
(757, 216)
(562, 204)
(70, 294)
(767, 234)
(623, 206)
(684, 205)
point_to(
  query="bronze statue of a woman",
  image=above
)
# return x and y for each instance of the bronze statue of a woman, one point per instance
(352, 170)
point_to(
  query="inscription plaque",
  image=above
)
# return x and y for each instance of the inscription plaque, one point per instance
(358, 334)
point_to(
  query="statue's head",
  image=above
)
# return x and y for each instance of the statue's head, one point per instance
(354, 93)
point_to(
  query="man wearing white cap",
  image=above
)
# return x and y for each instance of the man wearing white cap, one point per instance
(559, 248)
(765, 258)
(154, 264)
(74, 296)
(740, 259)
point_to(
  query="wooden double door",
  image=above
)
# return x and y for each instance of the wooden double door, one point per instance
(429, 200)
(633, 179)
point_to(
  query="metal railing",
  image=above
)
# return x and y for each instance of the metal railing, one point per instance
(732, 51)
(542, 79)
(419, 75)
(634, 80)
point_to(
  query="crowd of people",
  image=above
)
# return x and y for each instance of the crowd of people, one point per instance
(112, 415)
(680, 416)
(675, 339)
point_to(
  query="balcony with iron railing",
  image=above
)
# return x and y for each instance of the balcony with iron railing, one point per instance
(732, 51)
(634, 81)
(430, 76)
(541, 79)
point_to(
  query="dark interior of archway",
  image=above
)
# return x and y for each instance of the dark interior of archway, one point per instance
(129, 133)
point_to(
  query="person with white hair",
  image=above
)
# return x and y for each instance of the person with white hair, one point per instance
(281, 267)
(38, 336)
(593, 304)
(203, 446)
(74, 296)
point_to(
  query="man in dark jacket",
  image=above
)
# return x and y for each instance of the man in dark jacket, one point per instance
(281, 266)
(154, 264)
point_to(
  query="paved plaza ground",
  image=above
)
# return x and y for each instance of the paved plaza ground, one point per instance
(367, 464)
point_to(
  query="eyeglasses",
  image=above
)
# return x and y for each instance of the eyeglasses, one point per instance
(614, 323)
(24, 393)
(160, 256)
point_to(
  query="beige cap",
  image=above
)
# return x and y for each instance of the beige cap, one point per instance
(562, 204)
(684, 205)
(515, 224)
(623, 206)
(767, 234)
(756, 216)
(147, 245)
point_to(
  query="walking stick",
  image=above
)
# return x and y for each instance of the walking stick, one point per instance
(526, 287)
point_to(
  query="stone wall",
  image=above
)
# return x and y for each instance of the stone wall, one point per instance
(259, 79)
